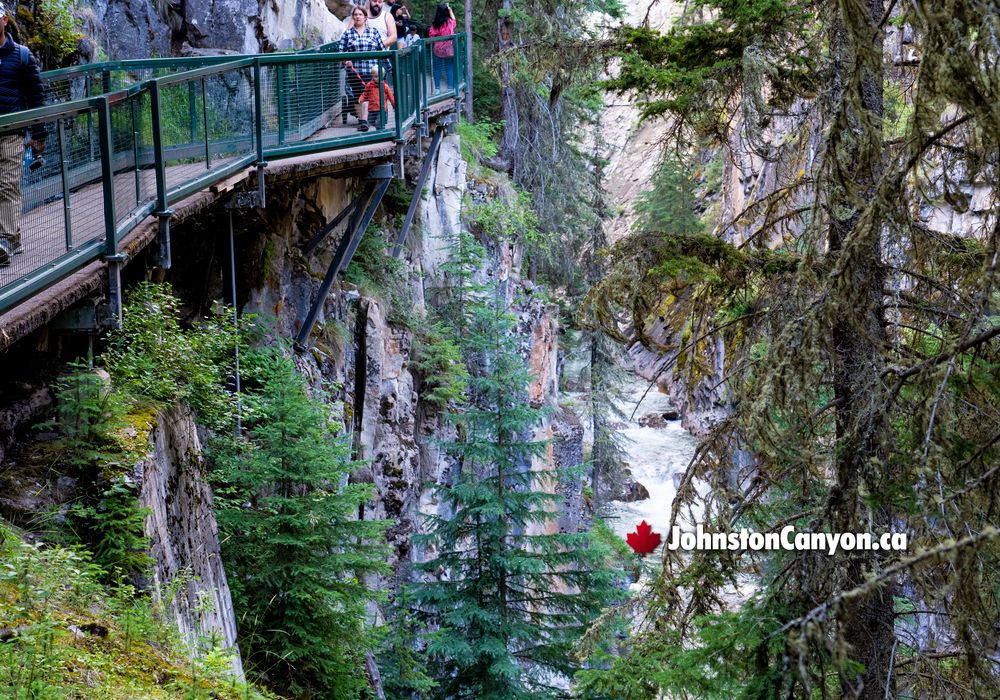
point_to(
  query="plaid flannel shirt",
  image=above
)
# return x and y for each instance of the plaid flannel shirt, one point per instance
(368, 40)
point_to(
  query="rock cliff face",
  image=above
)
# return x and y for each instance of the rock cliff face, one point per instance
(357, 349)
(184, 541)
(130, 29)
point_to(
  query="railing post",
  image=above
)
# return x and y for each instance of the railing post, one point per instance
(192, 111)
(204, 116)
(133, 108)
(111, 254)
(281, 102)
(64, 174)
(418, 91)
(163, 212)
(258, 106)
(394, 61)
(459, 70)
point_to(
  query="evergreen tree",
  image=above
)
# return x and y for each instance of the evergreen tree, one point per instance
(296, 554)
(507, 598)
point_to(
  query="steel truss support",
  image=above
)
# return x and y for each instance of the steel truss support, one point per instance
(362, 215)
(328, 229)
(425, 170)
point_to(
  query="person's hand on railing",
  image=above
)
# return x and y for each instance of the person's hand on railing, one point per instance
(37, 147)
(348, 64)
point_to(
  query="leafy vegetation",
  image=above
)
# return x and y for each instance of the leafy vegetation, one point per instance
(859, 342)
(65, 635)
(154, 358)
(382, 276)
(50, 29)
(504, 599)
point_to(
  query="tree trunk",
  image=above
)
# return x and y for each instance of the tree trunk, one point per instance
(468, 60)
(511, 123)
(859, 329)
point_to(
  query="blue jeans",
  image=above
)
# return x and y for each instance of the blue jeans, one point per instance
(446, 66)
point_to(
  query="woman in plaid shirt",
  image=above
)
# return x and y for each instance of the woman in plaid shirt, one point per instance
(360, 37)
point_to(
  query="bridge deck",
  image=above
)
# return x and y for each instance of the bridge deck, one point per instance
(41, 308)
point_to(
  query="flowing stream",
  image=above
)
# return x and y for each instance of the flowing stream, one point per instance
(657, 458)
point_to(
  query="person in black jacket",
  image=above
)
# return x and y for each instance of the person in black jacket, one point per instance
(20, 88)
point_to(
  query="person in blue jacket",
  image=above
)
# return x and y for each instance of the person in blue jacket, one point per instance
(20, 88)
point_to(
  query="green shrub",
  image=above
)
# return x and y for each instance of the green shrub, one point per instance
(70, 637)
(51, 29)
(439, 360)
(154, 357)
(296, 553)
(478, 140)
(378, 274)
(112, 526)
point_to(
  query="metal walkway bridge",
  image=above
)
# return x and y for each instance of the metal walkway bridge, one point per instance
(129, 140)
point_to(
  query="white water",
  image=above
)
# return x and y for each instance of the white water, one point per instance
(657, 458)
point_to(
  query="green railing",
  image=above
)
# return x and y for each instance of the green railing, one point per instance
(115, 158)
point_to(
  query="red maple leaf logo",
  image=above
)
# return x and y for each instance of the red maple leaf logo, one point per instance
(643, 540)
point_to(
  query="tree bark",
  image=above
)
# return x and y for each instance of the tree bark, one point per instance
(859, 330)
(468, 61)
(511, 123)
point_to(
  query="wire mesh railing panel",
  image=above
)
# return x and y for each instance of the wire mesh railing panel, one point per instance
(41, 188)
(131, 164)
(319, 95)
(81, 165)
(95, 79)
(229, 115)
(182, 120)
(441, 72)
(316, 97)
(408, 93)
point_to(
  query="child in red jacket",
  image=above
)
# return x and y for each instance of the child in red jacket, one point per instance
(369, 100)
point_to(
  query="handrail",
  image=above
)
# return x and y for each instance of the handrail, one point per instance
(113, 159)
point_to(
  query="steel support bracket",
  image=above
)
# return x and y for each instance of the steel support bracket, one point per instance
(115, 262)
(382, 171)
(261, 192)
(399, 159)
(165, 259)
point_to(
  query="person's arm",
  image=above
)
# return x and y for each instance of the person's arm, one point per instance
(343, 47)
(390, 98)
(390, 25)
(451, 13)
(34, 96)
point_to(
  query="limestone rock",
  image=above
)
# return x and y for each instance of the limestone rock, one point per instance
(635, 491)
(184, 538)
(653, 419)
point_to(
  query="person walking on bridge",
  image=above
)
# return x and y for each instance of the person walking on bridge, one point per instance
(380, 19)
(444, 51)
(360, 37)
(20, 88)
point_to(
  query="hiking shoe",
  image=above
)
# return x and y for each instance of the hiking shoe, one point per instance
(18, 250)
(362, 125)
(5, 253)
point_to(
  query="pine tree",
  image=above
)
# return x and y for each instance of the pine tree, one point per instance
(296, 554)
(507, 598)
